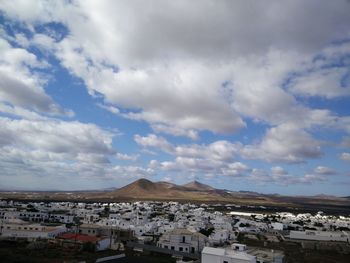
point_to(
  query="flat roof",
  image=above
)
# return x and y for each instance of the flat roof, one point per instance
(227, 253)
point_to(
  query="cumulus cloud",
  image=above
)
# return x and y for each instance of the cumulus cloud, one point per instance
(324, 170)
(60, 149)
(126, 157)
(345, 156)
(20, 85)
(236, 169)
(284, 143)
(326, 75)
(176, 131)
(217, 157)
(218, 150)
(203, 72)
(326, 83)
(345, 142)
(59, 137)
(49, 144)
(174, 73)
(282, 178)
(278, 170)
(155, 141)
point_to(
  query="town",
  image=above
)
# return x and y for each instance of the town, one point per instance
(178, 232)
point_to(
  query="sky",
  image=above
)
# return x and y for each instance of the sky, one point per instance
(242, 95)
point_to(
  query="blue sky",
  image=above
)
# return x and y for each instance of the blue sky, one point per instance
(241, 95)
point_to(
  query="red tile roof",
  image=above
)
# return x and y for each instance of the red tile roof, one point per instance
(79, 237)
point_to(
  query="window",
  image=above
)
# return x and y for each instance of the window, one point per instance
(181, 249)
(183, 239)
(172, 247)
(225, 261)
(166, 247)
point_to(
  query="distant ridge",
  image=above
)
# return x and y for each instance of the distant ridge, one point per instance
(197, 186)
(143, 189)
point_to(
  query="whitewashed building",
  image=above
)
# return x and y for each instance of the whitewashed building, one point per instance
(221, 235)
(183, 240)
(341, 236)
(277, 226)
(237, 254)
(31, 231)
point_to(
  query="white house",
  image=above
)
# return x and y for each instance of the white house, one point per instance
(277, 226)
(237, 254)
(183, 240)
(221, 235)
(62, 218)
(24, 215)
(31, 231)
(341, 236)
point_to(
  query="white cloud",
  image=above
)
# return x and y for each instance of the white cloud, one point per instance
(284, 143)
(170, 72)
(20, 85)
(312, 178)
(176, 131)
(345, 142)
(152, 140)
(126, 157)
(326, 75)
(266, 24)
(345, 157)
(204, 71)
(215, 158)
(109, 108)
(277, 170)
(325, 83)
(61, 150)
(58, 137)
(324, 170)
(282, 178)
(20, 112)
(236, 169)
(218, 150)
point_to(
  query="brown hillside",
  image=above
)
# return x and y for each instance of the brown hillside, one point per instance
(146, 189)
(197, 186)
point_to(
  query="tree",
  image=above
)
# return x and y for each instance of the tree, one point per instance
(206, 232)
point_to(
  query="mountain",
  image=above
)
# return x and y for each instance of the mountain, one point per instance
(146, 189)
(142, 187)
(197, 186)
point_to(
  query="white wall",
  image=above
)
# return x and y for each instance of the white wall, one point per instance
(320, 235)
(103, 244)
